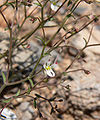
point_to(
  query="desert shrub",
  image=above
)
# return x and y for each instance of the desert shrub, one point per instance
(47, 23)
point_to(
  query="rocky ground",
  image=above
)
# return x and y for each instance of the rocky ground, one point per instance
(82, 100)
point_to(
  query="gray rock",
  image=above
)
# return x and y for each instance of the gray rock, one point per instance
(24, 106)
(83, 8)
(27, 115)
(24, 56)
(30, 109)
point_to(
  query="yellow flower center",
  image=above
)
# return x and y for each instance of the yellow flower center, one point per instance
(54, 3)
(48, 68)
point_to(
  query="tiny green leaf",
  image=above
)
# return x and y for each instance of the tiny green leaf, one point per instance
(18, 92)
(29, 90)
(10, 4)
(96, 19)
(6, 28)
(34, 102)
(69, 15)
(31, 82)
(6, 101)
(64, 73)
(4, 77)
(51, 19)
(38, 4)
(69, 2)
(45, 54)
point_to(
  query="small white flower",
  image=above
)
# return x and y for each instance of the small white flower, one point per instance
(55, 5)
(48, 68)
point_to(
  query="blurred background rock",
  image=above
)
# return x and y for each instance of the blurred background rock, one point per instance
(82, 101)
